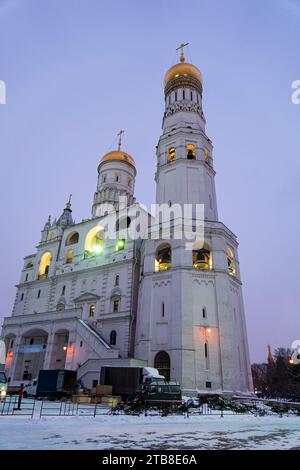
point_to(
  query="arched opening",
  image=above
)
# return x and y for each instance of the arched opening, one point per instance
(72, 238)
(70, 255)
(113, 338)
(163, 259)
(202, 257)
(123, 223)
(31, 354)
(162, 363)
(230, 262)
(94, 242)
(9, 341)
(190, 151)
(45, 265)
(171, 154)
(59, 349)
(92, 311)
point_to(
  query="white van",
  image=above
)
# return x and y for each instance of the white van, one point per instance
(30, 388)
(3, 385)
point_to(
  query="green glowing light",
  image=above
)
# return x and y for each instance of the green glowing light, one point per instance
(120, 244)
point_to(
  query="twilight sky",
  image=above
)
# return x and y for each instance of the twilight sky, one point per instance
(76, 71)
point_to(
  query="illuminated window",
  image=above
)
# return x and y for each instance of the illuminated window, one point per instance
(113, 338)
(116, 303)
(230, 262)
(45, 265)
(72, 238)
(171, 154)
(92, 311)
(94, 242)
(163, 260)
(202, 257)
(120, 244)
(191, 151)
(206, 155)
(70, 255)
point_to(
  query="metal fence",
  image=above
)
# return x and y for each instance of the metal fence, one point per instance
(68, 408)
(12, 406)
(43, 408)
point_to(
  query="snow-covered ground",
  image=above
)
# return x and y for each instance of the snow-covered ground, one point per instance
(150, 432)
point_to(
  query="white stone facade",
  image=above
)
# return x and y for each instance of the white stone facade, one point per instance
(83, 302)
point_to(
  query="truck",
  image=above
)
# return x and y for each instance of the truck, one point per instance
(141, 387)
(3, 378)
(52, 384)
(126, 379)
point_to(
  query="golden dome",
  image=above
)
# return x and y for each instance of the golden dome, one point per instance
(118, 155)
(183, 69)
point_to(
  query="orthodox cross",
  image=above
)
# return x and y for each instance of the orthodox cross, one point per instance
(182, 45)
(119, 134)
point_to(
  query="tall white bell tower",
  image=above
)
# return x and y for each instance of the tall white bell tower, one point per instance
(191, 322)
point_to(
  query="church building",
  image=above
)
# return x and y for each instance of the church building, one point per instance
(85, 300)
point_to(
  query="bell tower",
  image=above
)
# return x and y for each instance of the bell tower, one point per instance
(190, 320)
(185, 172)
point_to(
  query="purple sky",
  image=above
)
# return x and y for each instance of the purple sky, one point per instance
(76, 71)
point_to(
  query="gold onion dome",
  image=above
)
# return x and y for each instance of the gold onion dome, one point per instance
(118, 155)
(183, 69)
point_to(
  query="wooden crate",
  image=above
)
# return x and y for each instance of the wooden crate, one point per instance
(103, 390)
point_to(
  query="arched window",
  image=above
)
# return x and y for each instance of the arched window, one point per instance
(115, 305)
(162, 363)
(117, 280)
(63, 291)
(72, 238)
(123, 223)
(45, 265)
(113, 338)
(163, 258)
(230, 262)
(94, 242)
(191, 151)
(70, 255)
(171, 154)
(206, 155)
(202, 257)
(206, 354)
(92, 311)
